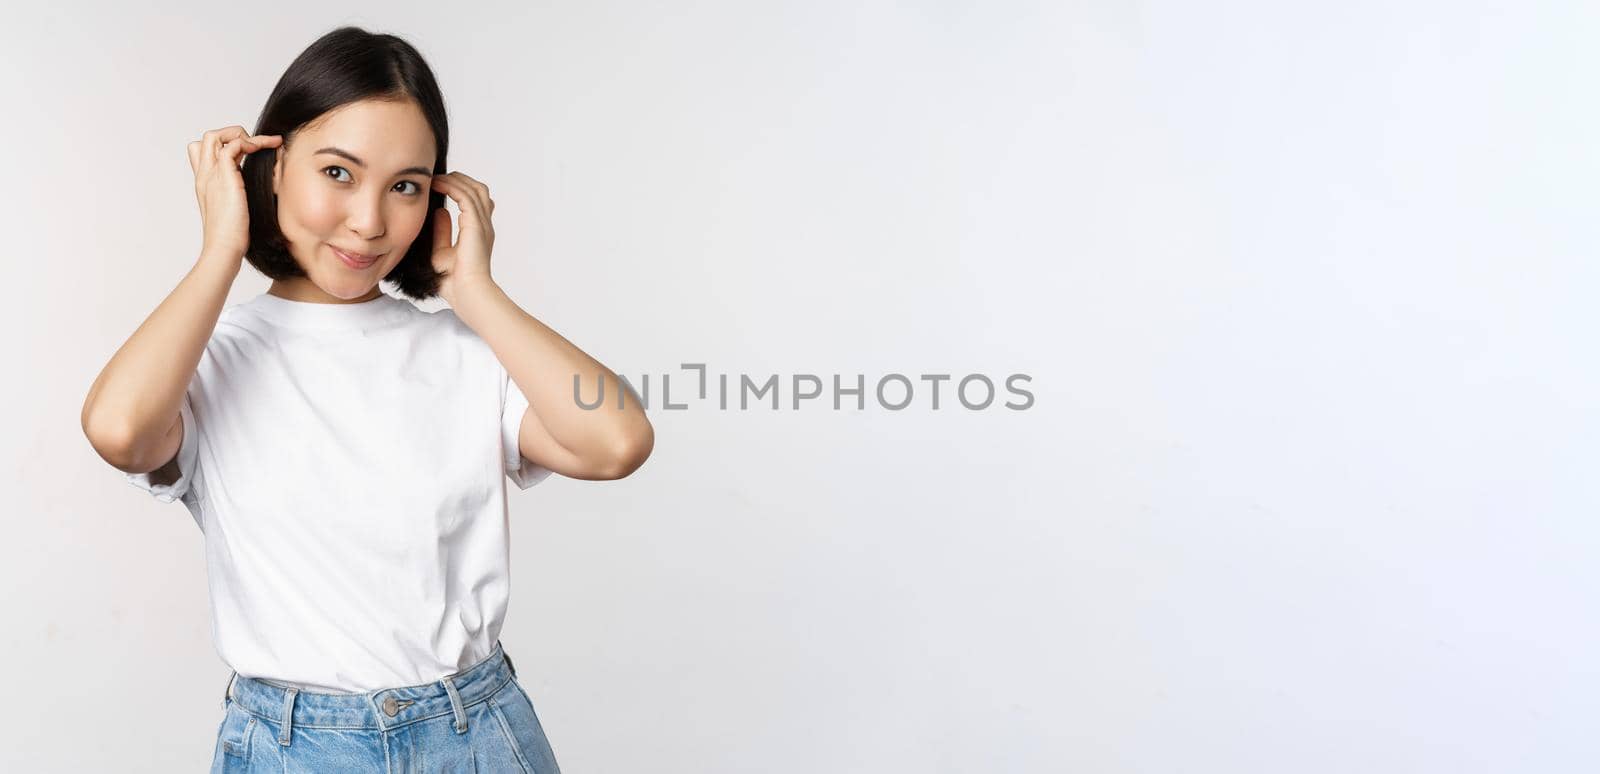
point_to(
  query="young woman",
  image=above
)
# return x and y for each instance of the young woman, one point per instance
(344, 452)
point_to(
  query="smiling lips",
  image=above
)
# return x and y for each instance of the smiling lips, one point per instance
(356, 260)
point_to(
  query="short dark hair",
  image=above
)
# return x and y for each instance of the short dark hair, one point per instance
(346, 65)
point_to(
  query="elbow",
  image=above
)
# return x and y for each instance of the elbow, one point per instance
(631, 453)
(116, 448)
(122, 447)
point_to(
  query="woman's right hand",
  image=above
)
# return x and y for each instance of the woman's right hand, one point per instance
(219, 186)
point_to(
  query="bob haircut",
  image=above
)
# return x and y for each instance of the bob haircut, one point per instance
(345, 65)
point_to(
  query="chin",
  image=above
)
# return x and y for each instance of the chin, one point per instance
(345, 290)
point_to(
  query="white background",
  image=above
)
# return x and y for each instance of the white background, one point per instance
(1305, 291)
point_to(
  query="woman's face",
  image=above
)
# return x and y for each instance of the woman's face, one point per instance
(356, 179)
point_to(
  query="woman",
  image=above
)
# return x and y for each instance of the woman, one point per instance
(344, 452)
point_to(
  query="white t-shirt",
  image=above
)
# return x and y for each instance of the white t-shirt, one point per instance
(346, 464)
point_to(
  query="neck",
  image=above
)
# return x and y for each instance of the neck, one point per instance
(303, 289)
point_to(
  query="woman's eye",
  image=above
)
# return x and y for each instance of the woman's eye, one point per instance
(336, 169)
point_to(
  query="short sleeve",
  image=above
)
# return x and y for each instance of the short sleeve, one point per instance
(168, 491)
(522, 470)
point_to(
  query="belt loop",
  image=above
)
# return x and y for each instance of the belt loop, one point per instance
(509, 665)
(288, 716)
(455, 704)
(227, 693)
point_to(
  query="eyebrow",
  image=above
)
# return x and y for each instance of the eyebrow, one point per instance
(358, 162)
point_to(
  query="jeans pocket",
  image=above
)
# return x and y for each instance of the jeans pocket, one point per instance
(514, 711)
(233, 740)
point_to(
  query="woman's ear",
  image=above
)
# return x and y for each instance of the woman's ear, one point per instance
(277, 168)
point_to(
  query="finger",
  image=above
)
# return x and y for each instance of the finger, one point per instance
(471, 182)
(194, 156)
(239, 147)
(472, 215)
(480, 190)
(441, 229)
(212, 141)
(474, 233)
(452, 190)
(229, 152)
(483, 206)
(262, 141)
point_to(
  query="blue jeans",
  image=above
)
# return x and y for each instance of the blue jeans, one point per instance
(476, 720)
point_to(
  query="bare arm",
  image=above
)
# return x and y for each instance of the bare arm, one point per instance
(131, 413)
(556, 432)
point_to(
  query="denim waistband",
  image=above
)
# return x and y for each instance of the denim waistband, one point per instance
(382, 709)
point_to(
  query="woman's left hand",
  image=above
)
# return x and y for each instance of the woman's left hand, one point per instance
(467, 261)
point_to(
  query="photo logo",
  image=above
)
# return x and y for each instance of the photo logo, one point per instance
(892, 391)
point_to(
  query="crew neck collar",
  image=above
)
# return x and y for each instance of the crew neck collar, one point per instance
(382, 310)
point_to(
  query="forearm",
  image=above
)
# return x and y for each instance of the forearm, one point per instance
(543, 365)
(135, 399)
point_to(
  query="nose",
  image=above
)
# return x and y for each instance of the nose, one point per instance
(365, 218)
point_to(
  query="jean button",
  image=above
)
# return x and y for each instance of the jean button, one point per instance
(389, 706)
